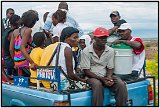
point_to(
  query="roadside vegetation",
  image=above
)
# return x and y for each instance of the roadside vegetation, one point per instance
(152, 66)
(152, 63)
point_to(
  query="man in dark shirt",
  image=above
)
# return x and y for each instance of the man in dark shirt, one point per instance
(5, 21)
(116, 20)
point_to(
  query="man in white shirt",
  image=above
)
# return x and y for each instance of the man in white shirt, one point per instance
(116, 20)
(138, 49)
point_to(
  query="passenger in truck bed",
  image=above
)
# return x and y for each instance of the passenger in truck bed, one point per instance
(21, 41)
(36, 53)
(69, 39)
(7, 35)
(136, 43)
(97, 62)
(117, 21)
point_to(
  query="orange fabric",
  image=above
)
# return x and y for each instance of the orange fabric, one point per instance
(20, 63)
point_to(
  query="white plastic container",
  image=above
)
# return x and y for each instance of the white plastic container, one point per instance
(111, 39)
(123, 59)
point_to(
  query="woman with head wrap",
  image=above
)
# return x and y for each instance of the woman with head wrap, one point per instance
(69, 39)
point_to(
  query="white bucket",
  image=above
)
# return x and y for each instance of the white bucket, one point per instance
(123, 61)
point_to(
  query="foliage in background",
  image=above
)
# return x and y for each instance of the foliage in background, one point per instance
(152, 66)
(147, 45)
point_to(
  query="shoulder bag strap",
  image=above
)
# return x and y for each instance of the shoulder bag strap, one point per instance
(57, 58)
(53, 55)
(57, 55)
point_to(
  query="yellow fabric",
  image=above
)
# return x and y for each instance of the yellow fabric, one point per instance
(47, 53)
(35, 55)
(75, 48)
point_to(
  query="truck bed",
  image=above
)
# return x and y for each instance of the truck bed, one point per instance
(21, 96)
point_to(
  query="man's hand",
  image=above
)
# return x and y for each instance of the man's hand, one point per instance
(107, 81)
(120, 22)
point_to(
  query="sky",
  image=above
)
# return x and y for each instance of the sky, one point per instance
(143, 16)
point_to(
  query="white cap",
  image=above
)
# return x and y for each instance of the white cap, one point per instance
(125, 26)
(87, 39)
